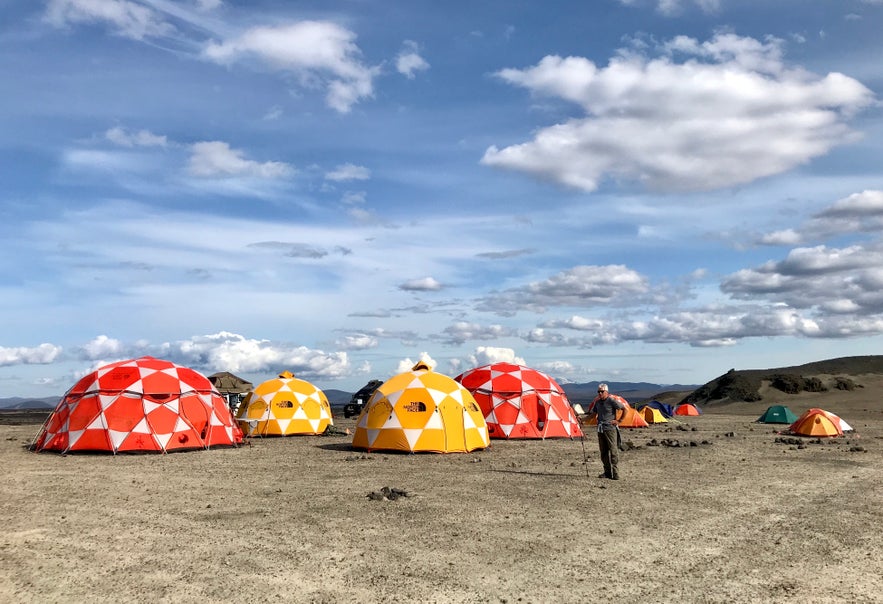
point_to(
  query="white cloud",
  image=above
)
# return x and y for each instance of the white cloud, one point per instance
(321, 53)
(129, 19)
(345, 172)
(142, 138)
(21, 355)
(291, 249)
(817, 277)
(463, 331)
(857, 213)
(357, 342)
(216, 158)
(671, 8)
(274, 113)
(208, 5)
(578, 323)
(863, 205)
(557, 368)
(487, 355)
(407, 364)
(103, 347)
(409, 60)
(730, 113)
(580, 286)
(783, 237)
(426, 284)
(236, 353)
(353, 198)
(114, 162)
(705, 327)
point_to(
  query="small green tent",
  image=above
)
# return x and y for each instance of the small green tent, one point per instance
(777, 414)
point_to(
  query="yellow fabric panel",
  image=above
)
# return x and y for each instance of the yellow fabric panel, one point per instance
(452, 413)
(254, 410)
(284, 405)
(433, 440)
(414, 408)
(816, 425)
(378, 414)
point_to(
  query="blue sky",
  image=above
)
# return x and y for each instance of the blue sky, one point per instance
(625, 190)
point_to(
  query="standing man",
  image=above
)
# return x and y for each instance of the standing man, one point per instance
(609, 412)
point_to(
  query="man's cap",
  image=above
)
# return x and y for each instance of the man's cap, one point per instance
(602, 386)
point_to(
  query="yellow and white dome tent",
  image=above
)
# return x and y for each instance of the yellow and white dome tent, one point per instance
(421, 410)
(283, 406)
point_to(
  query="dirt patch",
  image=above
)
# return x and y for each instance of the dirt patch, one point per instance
(738, 517)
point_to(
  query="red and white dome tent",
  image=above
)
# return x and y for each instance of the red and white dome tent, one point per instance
(520, 402)
(139, 405)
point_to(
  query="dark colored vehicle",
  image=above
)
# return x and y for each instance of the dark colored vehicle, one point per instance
(360, 398)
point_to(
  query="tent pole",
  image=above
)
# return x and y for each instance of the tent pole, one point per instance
(582, 440)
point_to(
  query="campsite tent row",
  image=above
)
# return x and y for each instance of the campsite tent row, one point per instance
(642, 416)
(149, 404)
(813, 422)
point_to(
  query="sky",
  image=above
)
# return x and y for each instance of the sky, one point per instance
(615, 190)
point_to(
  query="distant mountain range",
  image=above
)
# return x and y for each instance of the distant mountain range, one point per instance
(19, 403)
(631, 391)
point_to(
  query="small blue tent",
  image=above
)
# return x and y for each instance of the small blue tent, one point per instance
(663, 408)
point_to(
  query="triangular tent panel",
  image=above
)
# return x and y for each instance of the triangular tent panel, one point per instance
(777, 414)
(818, 422)
(632, 418)
(687, 409)
(284, 406)
(144, 405)
(520, 402)
(421, 410)
(652, 415)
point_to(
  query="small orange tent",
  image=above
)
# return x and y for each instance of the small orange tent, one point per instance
(687, 409)
(631, 419)
(818, 422)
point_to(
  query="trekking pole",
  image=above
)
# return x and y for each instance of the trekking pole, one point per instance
(582, 440)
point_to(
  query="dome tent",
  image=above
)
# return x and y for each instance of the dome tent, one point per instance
(777, 414)
(284, 406)
(421, 410)
(818, 422)
(143, 405)
(687, 409)
(652, 415)
(519, 402)
(664, 408)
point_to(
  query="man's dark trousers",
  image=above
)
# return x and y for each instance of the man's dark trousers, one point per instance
(609, 453)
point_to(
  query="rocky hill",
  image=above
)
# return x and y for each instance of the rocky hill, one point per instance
(758, 385)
